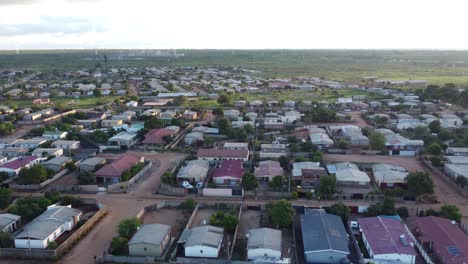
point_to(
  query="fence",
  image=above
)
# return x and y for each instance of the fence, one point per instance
(123, 186)
(234, 238)
(267, 194)
(31, 187)
(167, 189)
(220, 192)
(418, 246)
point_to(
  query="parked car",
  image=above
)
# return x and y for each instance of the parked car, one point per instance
(199, 185)
(187, 185)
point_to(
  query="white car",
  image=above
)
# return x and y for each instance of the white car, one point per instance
(187, 185)
(199, 185)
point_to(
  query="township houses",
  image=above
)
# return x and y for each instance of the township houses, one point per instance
(387, 240)
(235, 145)
(54, 135)
(150, 240)
(14, 152)
(111, 123)
(157, 136)
(324, 237)
(348, 174)
(223, 154)
(267, 170)
(29, 143)
(58, 163)
(91, 164)
(307, 173)
(457, 151)
(202, 241)
(398, 145)
(14, 166)
(264, 244)
(47, 227)
(273, 151)
(9, 222)
(194, 171)
(47, 152)
(444, 239)
(66, 144)
(123, 140)
(112, 172)
(389, 176)
(229, 172)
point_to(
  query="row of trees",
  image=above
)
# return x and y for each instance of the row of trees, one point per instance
(126, 229)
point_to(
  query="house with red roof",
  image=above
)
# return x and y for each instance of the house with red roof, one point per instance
(386, 240)
(229, 172)
(14, 166)
(223, 154)
(267, 169)
(443, 239)
(112, 172)
(156, 136)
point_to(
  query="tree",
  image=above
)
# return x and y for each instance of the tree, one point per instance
(128, 227)
(119, 246)
(462, 181)
(86, 178)
(343, 144)
(249, 181)
(434, 149)
(284, 162)
(218, 112)
(224, 125)
(434, 126)
(419, 183)
(34, 175)
(451, 212)
(5, 240)
(189, 204)
(377, 141)
(281, 212)
(97, 92)
(70, 200)
(6, 128)
(403, 211)
(341, 210)
(29, 207)
(227, 221)
(327, 187)
(154, 122)
(294, 195)
(436, 161)
(167, 139)
(277, 182)
(224, 99)
(181, 101)
(70, 166)
(387, 207)
(5, 197)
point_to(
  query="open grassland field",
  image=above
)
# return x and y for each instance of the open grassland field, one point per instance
(434, 66)
(82, 102)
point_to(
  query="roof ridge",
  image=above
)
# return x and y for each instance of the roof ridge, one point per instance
(325, 229)
(388, 233)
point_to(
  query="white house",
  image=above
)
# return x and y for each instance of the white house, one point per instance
(202, 241)
(264, 243)
(47, 227)
(54, 135)
(9, 222)
(66, 144)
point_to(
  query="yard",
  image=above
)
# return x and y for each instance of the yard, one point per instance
(176, 218)
(82, 102)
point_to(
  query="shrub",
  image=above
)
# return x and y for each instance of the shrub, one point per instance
(52, 245)
(294, 195)
(403, 211)
(119, 246)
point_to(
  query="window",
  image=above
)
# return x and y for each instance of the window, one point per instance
(144, 249)
(201, 251)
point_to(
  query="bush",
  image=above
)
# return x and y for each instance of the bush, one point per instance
(86, 178)
(189, 204)
(419, 183)
(29, 207)
(119, 246)
(281, 212)
(34, 175)
(294, 195)
(403, 212)
(5, 197)
(436, 161)
(52, 245)
(249, 181)
(70, 200)
(70, 166)
(227, 221)
(128, 227)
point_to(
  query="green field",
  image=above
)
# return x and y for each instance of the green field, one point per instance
(82, 102)
(434, 66)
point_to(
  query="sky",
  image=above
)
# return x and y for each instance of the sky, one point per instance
(233, 24)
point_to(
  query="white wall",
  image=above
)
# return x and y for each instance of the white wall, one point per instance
(262, 252)
(23, 243)
(201, 252)
(394, 258)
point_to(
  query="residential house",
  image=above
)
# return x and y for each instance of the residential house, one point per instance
(348, 174)
(54, 135)
(150, 240)
(264, 244)
(66, 144)
(232, 114)
(14, 152)
(58, 163)
(123, 140)
(223, 154)
(47, 227)
(157, 136)
(398, 145)
(91, 164)
(450, 121)
(168, 115)
(456, 160)
(273, 122)
(9, 222)
(229, 172)
(273, 151)
(14, 166)
(389, 176)
(324, 237)
(307, 173)
(47, 152)
(30, 143)
(205, 130)
(111, 123)
(190, 115)
(457, 151)
(236, 145)
(267, 170)
(445, 240)
(132, 104)
(112, 172)
(455, 170)
(321, 139)
(202, 241)
(193, 137)
(291, 117)
(194, 171)
(386, 240)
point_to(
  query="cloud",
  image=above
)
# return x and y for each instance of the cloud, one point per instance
(19, 2)
(54, 25)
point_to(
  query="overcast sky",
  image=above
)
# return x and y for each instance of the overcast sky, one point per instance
(234, 24)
